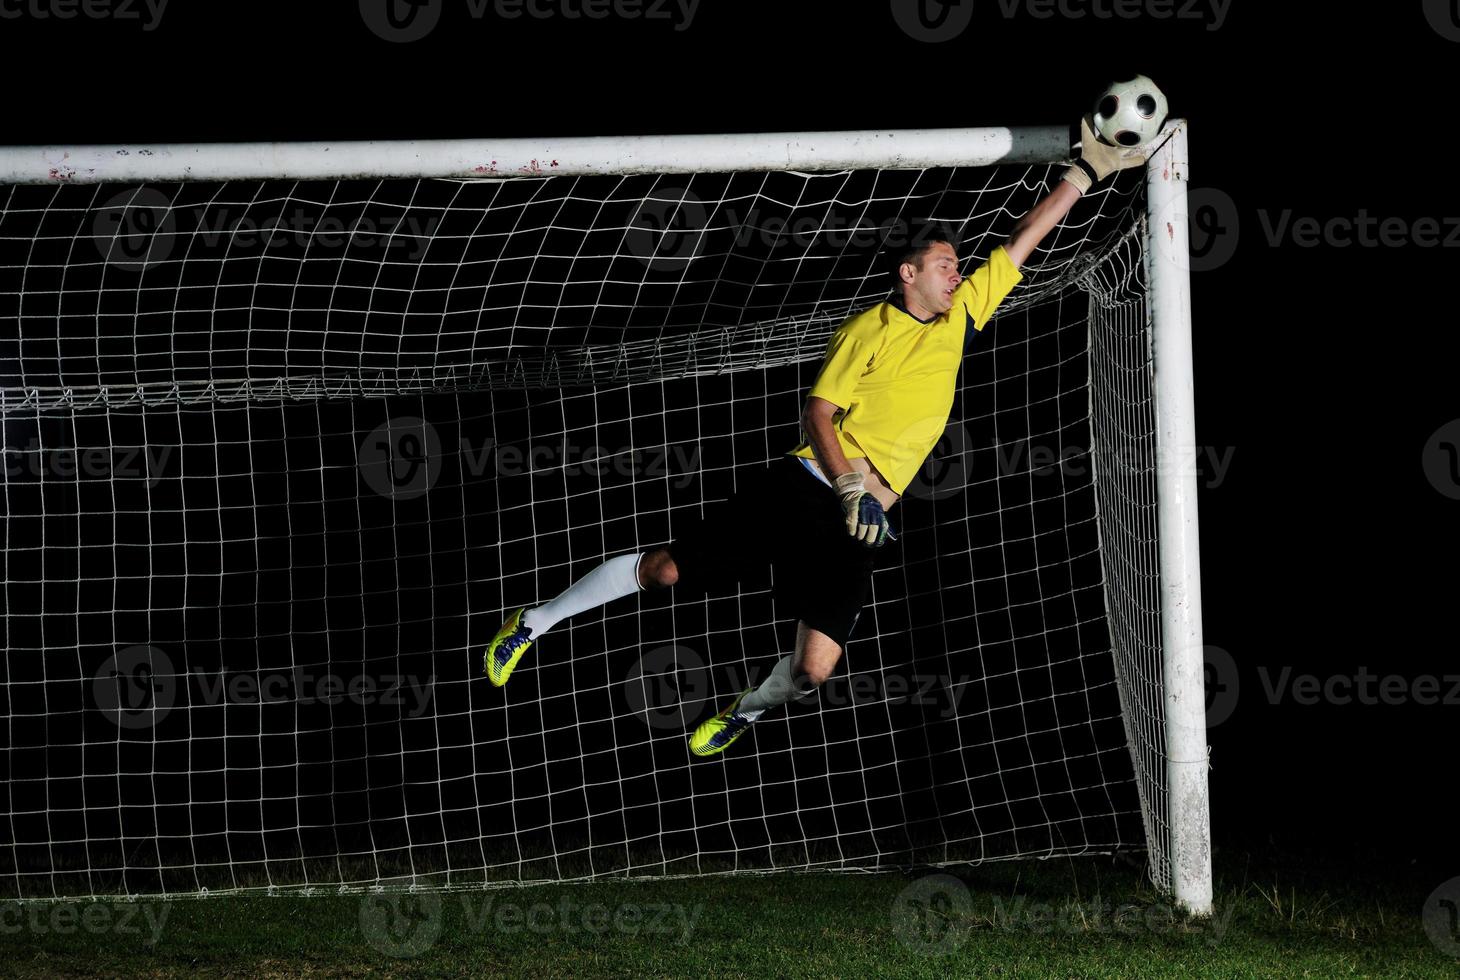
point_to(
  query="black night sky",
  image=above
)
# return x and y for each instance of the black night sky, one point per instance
(1325, 362)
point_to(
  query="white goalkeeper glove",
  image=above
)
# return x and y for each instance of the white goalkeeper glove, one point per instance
(866, 520)
(1099, 160)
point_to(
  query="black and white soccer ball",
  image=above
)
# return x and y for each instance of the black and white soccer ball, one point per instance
(1130, 113)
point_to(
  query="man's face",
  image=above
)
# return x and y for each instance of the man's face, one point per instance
(929, 291)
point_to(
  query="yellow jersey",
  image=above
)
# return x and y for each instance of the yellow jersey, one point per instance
(892, 376)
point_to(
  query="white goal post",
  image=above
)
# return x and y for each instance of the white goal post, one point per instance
(1133, 345)
(468, 159)
(1183, 663)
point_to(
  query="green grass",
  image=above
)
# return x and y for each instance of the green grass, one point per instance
(1276, 917)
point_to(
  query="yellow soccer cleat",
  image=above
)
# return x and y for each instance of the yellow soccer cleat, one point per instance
(715, 735)
(507, 647)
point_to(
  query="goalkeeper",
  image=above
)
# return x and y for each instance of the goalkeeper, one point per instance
(877, 407)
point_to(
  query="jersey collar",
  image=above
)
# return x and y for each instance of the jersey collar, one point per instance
(897, 305)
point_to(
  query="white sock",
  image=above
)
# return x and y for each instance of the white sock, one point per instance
(776, 689)
(614, 579)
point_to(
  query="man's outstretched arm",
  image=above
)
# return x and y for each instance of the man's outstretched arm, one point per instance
(1030, 230)
(1097, 161)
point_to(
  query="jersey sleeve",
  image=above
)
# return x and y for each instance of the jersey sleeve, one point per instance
(984, 289)
(847, 358)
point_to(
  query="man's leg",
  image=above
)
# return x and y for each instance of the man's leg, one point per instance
(611, 580)
(795, 677)
(817, 656)
(614, 579)
(710, 551)
(713, 551)
(657, 570)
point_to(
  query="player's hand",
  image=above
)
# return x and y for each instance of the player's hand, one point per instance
(866, 520)
(1100, 159)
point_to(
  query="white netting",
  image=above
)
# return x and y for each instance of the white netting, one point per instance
(279, 455)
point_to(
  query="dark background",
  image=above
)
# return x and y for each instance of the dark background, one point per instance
(1325, 368)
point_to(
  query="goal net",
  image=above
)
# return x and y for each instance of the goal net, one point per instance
(283, 447)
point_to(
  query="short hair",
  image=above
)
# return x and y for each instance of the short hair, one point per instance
(915, 247)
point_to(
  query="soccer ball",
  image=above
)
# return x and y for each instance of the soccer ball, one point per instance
(1130, 113)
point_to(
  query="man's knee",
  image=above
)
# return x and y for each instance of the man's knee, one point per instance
(819, 654)
(812, 675)
(657, 569)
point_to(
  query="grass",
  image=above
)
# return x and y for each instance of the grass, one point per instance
(1276, 916)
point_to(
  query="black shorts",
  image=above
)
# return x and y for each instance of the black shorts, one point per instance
(784, 516)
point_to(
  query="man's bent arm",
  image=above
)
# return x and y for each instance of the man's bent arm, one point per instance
(816, 421)
(1030, 230)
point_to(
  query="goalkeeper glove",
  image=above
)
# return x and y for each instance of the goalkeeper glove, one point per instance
(1099, 160)
(865, 519)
